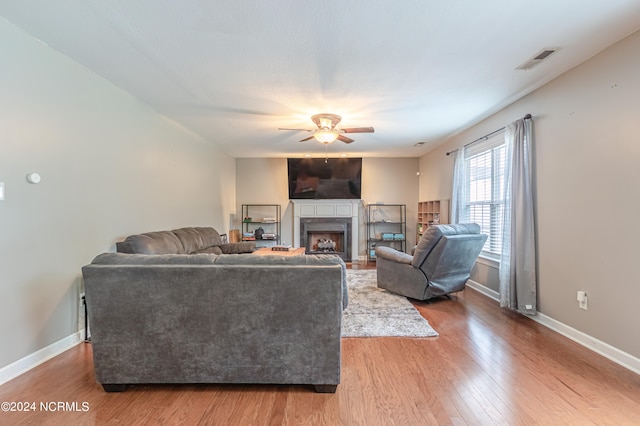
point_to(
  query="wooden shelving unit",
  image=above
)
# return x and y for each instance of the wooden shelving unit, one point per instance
(431, 213)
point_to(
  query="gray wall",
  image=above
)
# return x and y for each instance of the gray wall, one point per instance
(110, 166)
(390, 180)
(587, 166)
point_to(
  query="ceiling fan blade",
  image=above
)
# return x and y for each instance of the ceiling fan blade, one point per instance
(306, 139)
(297, 130)
(344, 139)
(358, 130)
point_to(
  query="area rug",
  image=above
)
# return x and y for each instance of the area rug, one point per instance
(374, 312)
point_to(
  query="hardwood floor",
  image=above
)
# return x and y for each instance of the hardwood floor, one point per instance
(488, 366)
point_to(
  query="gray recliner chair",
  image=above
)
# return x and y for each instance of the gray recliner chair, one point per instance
(441, 262)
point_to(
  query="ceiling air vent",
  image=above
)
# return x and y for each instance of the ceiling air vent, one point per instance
(537, 58)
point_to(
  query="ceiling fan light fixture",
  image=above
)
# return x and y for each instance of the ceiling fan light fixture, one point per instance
(325, 135)
(327, 132)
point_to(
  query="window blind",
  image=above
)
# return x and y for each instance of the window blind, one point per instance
(485, 161)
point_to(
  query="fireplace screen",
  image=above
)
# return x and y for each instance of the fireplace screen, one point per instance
(325, 242)
(326, 236)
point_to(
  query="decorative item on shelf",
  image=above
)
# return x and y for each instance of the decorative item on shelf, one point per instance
(248, 236)
(268, 236)
(268, 219)
(388, 236)
(258, 233)
(398, 236)
(246, 219)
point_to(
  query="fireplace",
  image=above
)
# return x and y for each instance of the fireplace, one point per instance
(332, 220)
(326, 236)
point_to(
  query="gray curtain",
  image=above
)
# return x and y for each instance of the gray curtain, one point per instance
(459, 211)
(518, 286)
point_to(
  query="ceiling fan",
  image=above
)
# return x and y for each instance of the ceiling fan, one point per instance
(327, 132)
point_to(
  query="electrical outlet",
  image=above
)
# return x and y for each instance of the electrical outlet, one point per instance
(584, 304)
(583, 300)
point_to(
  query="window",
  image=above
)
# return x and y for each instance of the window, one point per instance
(484, 163)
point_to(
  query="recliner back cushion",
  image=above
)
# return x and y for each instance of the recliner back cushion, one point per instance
(453, 257)
(432, 236)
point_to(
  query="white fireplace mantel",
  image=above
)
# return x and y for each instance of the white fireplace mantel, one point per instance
(327, 209)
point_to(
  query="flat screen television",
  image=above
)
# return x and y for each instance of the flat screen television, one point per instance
(320, 179)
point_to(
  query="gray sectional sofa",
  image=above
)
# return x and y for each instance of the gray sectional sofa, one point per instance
(172, 317)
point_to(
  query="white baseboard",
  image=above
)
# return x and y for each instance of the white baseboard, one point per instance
(491, 294)
(622, 358)
(25, 364)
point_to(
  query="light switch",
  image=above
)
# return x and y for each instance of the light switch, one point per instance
(1, 191)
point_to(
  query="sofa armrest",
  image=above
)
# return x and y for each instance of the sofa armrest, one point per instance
(393, 255)
(239, 247)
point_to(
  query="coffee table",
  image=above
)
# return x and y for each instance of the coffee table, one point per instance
(266, 251)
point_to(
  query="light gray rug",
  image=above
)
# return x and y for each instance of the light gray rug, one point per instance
(374, 312)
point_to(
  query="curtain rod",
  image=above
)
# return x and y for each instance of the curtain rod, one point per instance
(526, 117)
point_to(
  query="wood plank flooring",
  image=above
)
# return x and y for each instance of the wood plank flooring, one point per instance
(488, 367)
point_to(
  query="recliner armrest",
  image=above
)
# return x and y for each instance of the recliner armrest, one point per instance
(393, 255)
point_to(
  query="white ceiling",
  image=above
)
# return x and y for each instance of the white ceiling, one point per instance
(233, 71)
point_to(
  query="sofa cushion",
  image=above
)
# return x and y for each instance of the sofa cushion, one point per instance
(155, 259)
(179, 241)
(212, 249)
(433, 235)
(309, 259)
(161, 242)
(210, 237)
(239, 247)
(190, 239)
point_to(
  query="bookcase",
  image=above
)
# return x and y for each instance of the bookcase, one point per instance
(264, 218)
(387, 226)
(431, 213)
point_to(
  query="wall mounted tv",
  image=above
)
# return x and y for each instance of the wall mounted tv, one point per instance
(320, 179)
